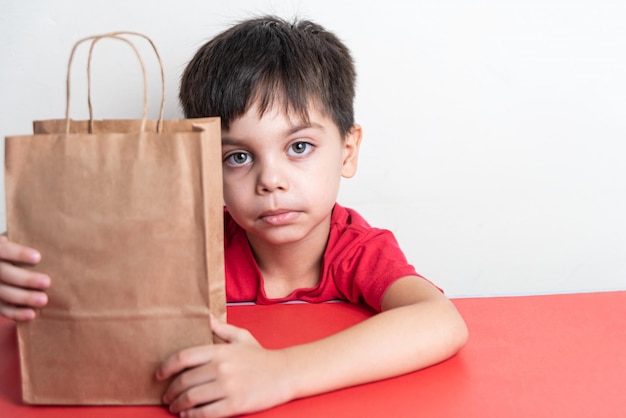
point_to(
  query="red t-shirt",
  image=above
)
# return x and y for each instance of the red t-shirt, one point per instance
(359, 265)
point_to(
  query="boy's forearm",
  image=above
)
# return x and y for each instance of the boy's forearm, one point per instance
(389, 344)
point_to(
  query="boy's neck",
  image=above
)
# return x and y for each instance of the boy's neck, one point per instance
(292, 266)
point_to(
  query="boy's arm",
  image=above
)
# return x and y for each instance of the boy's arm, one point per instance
(418, 327)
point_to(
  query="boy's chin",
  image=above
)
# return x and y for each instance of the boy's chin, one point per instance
(277, 236)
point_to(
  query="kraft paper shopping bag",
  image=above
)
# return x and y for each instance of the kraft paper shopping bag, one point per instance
(128, 215)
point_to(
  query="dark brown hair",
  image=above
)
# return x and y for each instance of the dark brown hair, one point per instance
(268, 60)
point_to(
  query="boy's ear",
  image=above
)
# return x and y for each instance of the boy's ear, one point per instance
(351, 145)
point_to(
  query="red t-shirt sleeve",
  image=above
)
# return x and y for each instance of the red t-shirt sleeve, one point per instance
(364, 261)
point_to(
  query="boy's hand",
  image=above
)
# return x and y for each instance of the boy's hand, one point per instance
(21, 290)
(222, 380)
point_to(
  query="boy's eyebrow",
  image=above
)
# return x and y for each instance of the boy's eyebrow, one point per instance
(228, 140)
(302, 127)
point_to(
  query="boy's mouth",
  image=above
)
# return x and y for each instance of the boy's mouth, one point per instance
(279, 217)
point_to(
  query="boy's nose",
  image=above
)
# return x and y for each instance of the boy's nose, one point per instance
(271, 178)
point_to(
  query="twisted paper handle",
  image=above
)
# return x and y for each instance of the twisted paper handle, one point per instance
(119, 36)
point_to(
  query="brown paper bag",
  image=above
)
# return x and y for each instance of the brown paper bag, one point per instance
(128, 215)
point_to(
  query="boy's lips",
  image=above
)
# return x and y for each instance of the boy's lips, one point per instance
(279, 217)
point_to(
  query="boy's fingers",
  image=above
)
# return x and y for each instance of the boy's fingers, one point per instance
(16, 313)
(190, 357)
(196, 396)
(20, 277)
(191, 378)
(11, 295)
(11, 251)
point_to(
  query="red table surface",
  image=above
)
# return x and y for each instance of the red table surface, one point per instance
(531, 356)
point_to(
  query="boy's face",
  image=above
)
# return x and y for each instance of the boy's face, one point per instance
(281, 175)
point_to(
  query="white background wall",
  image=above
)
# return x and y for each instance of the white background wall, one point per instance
(495, 131)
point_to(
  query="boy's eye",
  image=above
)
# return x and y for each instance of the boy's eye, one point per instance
(300, 148)
(237, 159)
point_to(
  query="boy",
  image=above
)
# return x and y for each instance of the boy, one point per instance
(285, 95)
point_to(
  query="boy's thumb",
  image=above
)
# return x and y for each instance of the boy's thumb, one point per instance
(230, 333)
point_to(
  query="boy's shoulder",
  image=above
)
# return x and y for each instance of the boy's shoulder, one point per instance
(347, 216)
(349, 229)
(363, 260)
(344, 217)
